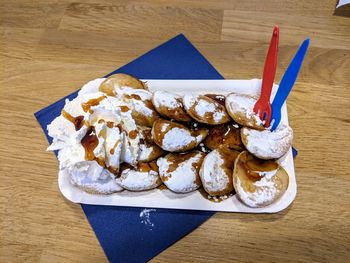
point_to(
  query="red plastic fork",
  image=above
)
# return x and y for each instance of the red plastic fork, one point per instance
(263, 107)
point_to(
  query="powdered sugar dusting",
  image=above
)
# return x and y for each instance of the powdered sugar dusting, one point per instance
(245, 105)
(166, 99)
(213, 175)
(138, 181)
(145, 217)
(265, 193)
(183, 178)
(177, 138)
(267, 144)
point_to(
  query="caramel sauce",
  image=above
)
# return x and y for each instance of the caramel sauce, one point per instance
(133, 134)
(113, 170)
(214, 199)
(100, 161)
(154, 166)
(254, 165)
(93, 102)
(174, 159)
(224, 135)
(77, 121)
(110, 124)
(89, 142)
(144, 167)
(124, 108)
(111, 151)
(218, 98)
(133, 96)
(162, 187)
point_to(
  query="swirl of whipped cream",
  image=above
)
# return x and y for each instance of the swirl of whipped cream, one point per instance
(93, 135)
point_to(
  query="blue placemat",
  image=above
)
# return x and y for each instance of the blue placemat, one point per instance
(124, 234)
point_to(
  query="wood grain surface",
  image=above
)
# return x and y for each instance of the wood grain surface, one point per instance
(49, 48)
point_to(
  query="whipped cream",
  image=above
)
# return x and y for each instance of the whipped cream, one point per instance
(94, 134)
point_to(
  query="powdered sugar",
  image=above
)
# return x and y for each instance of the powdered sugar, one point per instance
(176, 139)
(166, 99)
(203, 106)
(268, 174)
(243, 104)
(145, 217)
(267, 144)
(138, 181)
(184, 178)
(212, 173)
(266, 192)
(164, 127)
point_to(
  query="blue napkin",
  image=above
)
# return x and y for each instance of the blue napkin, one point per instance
(126, 234)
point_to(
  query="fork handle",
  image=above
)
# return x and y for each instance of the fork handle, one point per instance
(270, 66)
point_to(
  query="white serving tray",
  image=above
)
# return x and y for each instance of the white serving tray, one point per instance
(157, 198)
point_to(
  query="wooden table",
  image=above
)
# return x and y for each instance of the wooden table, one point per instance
(51, 48)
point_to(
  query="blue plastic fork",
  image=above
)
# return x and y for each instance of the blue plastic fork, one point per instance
(287, 83)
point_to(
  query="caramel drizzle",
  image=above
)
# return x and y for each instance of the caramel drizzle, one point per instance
(78, 121)
(90, 142)
(132, 134)
(90, 103)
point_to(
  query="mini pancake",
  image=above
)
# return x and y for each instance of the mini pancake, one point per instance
(149, 151)
(140, 103)
(240, 107)
(227, 135)
(175, 137)
(216, 171)
(268, 144)
(205, 110)
(180, 172)
(170, 105)
(258, 183)
(143, 177)
(119, 80)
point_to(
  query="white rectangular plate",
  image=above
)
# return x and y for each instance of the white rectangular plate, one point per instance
(157, 198)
